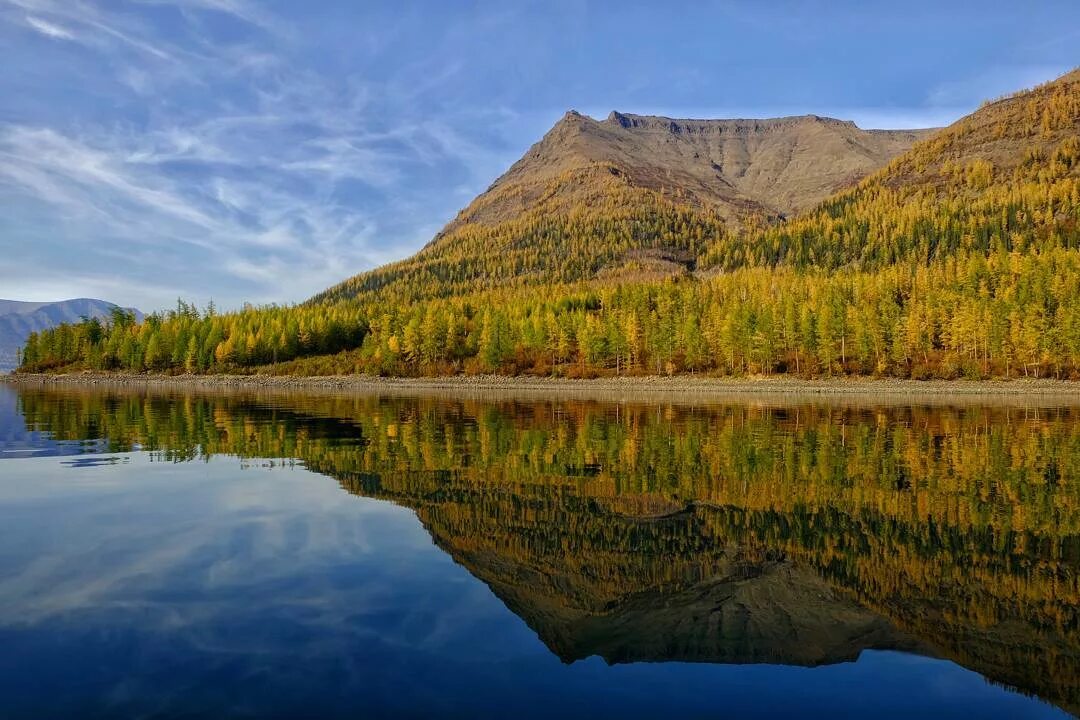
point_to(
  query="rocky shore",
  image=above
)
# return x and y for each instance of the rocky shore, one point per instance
(683, 386)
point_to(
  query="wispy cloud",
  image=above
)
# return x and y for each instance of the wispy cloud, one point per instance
(254, 151)
(76, 20)
(281, 238)
(49, 29)
(247, 12)
(246, 174)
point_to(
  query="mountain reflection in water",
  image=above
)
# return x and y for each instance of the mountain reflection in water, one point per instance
(788, 532)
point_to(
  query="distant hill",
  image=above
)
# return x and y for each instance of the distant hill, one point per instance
(633, 193)
(19, 319)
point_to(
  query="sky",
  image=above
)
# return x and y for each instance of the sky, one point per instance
(242, 151)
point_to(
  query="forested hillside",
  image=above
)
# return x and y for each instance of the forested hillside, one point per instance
(961, 257)
(631, 233)
(1006, 177)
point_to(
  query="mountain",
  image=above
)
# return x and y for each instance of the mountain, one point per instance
(772, 166)
(592, 196)
(609, 249)
(19, 319)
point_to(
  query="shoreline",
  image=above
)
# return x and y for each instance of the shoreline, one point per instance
(680, 385)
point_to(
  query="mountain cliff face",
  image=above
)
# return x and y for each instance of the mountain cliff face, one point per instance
(593, 195)
(774, 166)
(19, 319)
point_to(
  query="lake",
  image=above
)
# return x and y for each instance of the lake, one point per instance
(173, 554)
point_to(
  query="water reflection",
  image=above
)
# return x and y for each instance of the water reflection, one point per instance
(800, 534)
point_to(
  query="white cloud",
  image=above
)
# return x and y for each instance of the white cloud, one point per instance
(59, 19)
(229, 168)
(145, 47)
(88, 176)
(48, 29)
(287, 240)
(239, 9)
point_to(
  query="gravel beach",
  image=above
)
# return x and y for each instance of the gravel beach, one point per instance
(679, 386)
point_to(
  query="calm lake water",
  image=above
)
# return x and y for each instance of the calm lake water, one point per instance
(241, 555)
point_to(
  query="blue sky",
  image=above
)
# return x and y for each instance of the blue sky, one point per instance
(246, 151)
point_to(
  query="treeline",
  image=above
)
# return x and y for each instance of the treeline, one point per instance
(189, 340)
(1008, 314)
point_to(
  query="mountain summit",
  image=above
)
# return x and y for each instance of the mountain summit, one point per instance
(776, 166)
(599, 196)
